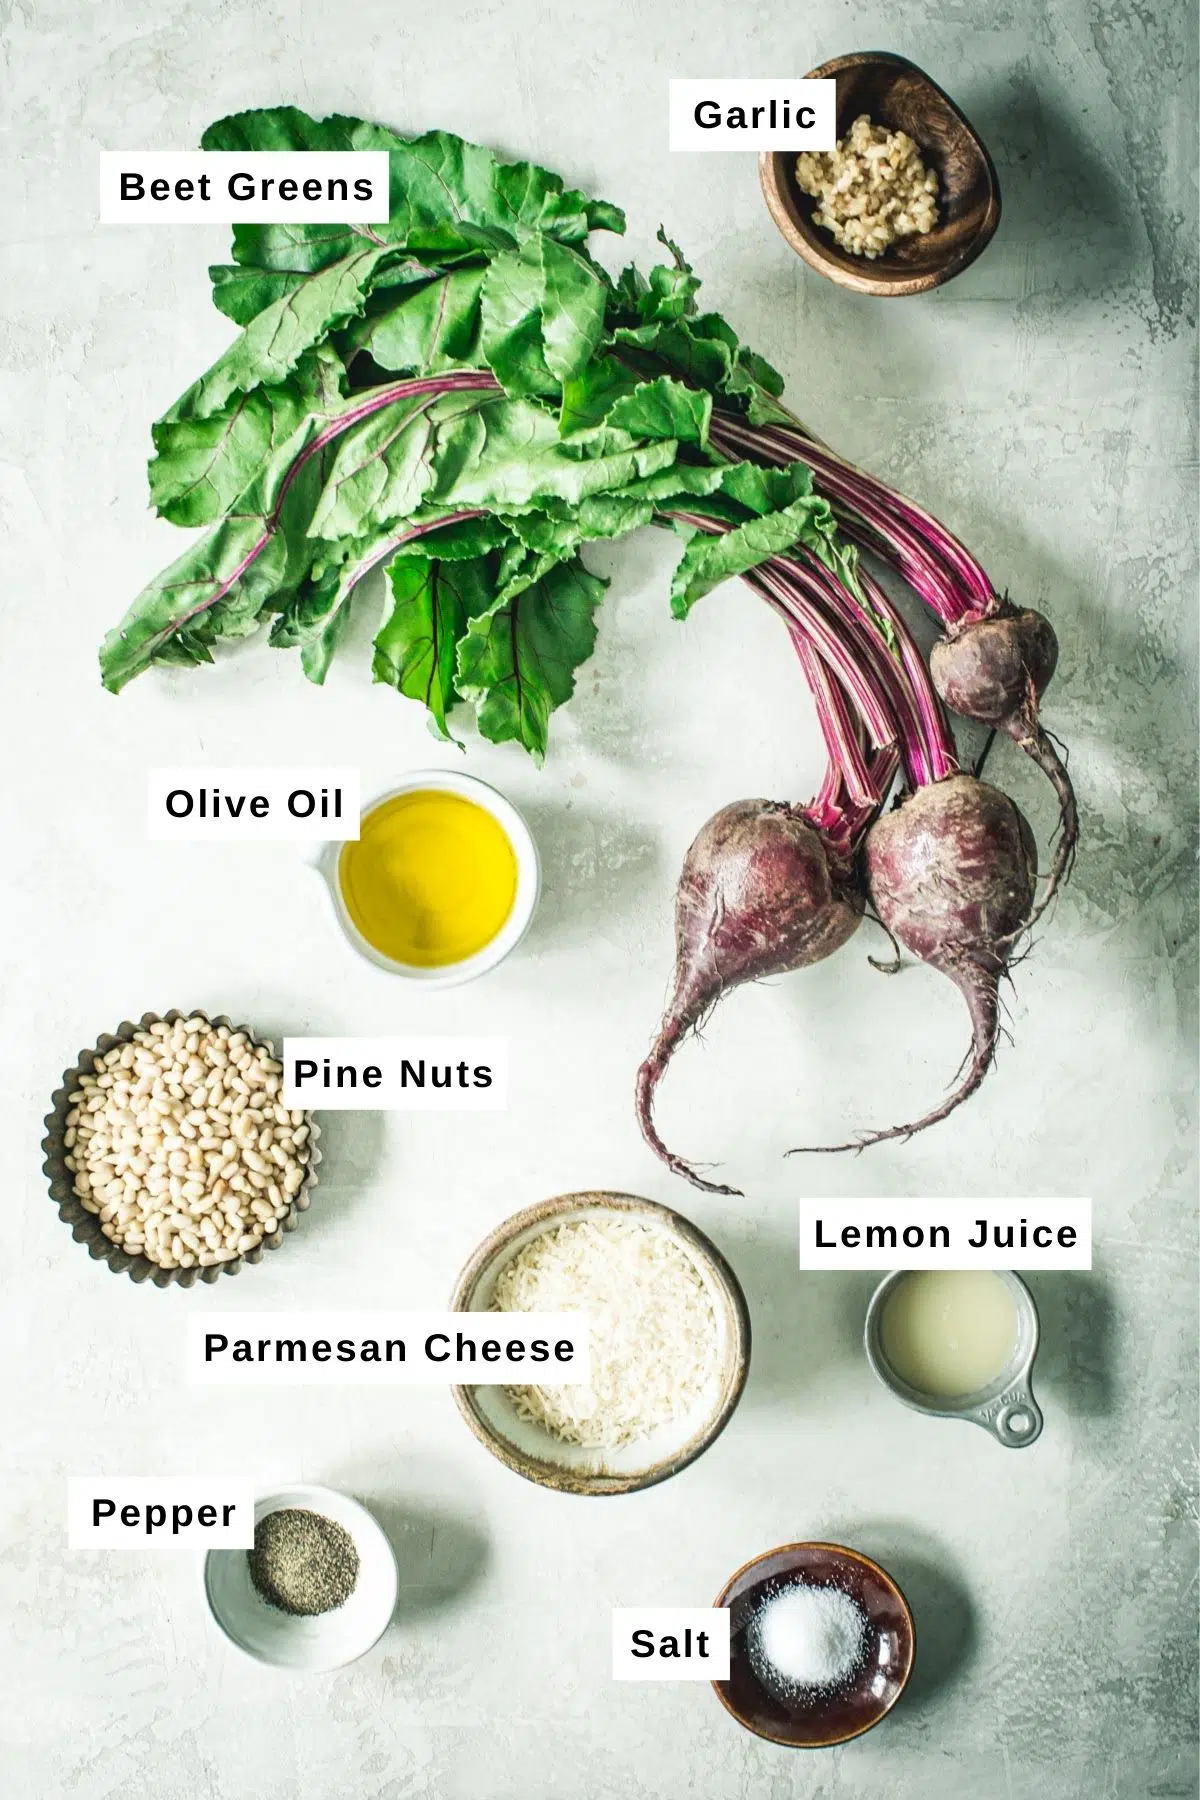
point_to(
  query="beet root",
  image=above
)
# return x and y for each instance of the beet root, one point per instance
(984, 669)
(996, 670)
(759, 895)
(952, 874)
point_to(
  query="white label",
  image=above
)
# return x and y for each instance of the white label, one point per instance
(945, 1234)
(152, 1512)
(743, 114)
(670, 1643)
(263, 805)
(362, 1074)
(341, 1349)
(235, 187)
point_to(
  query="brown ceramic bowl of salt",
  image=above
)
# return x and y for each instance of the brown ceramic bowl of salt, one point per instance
(524, 1443)
(821, 1645)
(895, 93)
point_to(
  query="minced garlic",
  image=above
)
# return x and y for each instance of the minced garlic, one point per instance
(873, 189)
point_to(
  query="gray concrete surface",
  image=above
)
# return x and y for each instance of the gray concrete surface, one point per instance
(1041, 404)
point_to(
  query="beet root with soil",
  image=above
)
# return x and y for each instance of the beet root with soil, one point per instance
(995, 670)
(951, 872)
(759, 895)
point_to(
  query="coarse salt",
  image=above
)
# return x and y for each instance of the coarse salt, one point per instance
(807, 1637)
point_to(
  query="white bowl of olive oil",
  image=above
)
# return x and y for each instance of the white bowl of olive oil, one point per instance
(441, 883)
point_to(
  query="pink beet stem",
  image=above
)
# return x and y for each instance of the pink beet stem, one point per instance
(881, 505)
(455, 381)
(864, 519)
(846, 755)
(928, 748)
(872, 653)
(935, 732)
(894, 698)
(837, 812)
(930, 559)
(964, 567)
(794, 603)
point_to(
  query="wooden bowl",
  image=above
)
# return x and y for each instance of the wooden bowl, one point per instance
(819, 1721)
(532, 1452)
(85, 1225)
(895, 93)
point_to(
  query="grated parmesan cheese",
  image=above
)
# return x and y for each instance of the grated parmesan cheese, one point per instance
(652, 1328)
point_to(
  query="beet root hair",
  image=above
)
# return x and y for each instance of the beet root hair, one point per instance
(759, 895)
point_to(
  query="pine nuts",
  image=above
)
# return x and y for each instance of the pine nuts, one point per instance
(177, 1138)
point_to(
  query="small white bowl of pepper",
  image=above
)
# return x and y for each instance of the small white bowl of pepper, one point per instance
(318, 1589)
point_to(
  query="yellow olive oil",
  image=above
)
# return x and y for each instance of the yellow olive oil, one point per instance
(431, 879)
(949, 1332)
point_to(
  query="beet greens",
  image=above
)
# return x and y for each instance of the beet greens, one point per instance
(462, 396)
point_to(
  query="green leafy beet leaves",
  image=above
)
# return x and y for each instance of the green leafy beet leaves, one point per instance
(219, 588)
(200, 466)
(563, 408)
(316, 615)
(431, 326)
(607, 392)
(382, 470)
(241, 294)
(517, 662)
(271, 345)
(518, 459)
(416, 647)
(572, 308)
(783, 511)
(471, 450)
(543, 316)
(440, 185)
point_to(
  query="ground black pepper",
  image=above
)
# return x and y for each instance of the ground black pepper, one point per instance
(302, 1562)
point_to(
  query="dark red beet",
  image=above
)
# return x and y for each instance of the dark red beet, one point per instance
(996, 670)
(951, 872)
(984, 671)
(757, 897)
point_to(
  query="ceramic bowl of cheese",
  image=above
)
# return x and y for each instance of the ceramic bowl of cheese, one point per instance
(501, 1420)
(442, 882)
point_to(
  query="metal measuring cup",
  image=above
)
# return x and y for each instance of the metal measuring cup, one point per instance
(1006, 1407)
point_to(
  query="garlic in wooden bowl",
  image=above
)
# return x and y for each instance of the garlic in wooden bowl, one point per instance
(669, 1342)
(873, 229)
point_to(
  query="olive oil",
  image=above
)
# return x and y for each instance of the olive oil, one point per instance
(431, 880)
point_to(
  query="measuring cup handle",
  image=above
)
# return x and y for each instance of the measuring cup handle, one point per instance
(1017, 1422)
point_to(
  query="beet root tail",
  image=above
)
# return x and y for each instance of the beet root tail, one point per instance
(648, 1078)
(1025, 730)
(980, 987)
